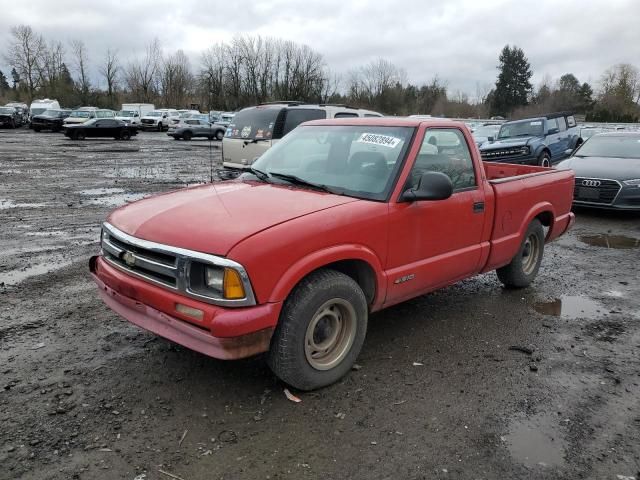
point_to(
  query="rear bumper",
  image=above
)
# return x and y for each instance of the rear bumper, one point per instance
(224, 333)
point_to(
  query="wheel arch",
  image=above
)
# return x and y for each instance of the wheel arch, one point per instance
(357, 262)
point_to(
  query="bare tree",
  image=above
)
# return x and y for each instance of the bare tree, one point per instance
(141, 76)
(81, 64)
(110, 70)
(212, 76)
(176, 80)
(25, 54)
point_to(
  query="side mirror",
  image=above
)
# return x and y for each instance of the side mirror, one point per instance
(136, 114)
(432, 186)
(164, 116)
(568, 151)
(490, 139)
(553, 131)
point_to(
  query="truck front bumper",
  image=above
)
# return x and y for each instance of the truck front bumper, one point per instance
(226, 333)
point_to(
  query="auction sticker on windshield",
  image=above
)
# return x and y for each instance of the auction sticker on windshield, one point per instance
(377, 139)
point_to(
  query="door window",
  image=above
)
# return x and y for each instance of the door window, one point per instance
(551, 123)
(345, 115)
(297, 116)
(445, 150)
(562, 124)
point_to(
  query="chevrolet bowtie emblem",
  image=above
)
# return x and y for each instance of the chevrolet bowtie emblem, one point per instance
(129, 258)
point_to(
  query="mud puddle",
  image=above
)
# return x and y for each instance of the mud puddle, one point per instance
(13, 277)
(570, 306)
(101, 191)
(117, 200)
(536, 441)
(610, 241)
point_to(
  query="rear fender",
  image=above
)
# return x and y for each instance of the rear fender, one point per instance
(321, 258)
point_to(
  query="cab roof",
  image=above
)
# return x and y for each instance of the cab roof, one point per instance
(387, 122)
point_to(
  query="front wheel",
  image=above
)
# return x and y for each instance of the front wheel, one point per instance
(219, 135)
(321, 331)
(125, 135)
(544, 160)
(159, 126)
(525, 265)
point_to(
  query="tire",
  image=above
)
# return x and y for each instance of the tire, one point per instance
(525, 265)
(219, 135)
(36, 129)
(80, 135)
(187, 135)
(325, 307)
(159, 126)
(544, 160)
(125, 135)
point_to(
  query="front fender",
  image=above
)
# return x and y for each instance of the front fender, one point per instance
(321, 258)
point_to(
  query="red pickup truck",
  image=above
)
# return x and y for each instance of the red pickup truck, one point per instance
(340, 219)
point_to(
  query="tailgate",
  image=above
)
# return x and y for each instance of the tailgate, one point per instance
(520, 198)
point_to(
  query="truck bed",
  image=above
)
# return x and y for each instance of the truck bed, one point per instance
(521, 194)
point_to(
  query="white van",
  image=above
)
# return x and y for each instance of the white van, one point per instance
(254, 130)
(39, 106)
(131, 113)
(158, 119)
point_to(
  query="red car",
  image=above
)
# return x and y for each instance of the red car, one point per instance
(340, 219)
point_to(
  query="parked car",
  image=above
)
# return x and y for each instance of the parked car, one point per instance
(192, 127)
(607, 168)
(9, 117)
(82, 115)
(50, 120)
(485, 133)
(39, 106)
(158, 119)
(23, 110)
(534, 141)
(256, 129)
(341, 218)
(101, 127)
(131, 113)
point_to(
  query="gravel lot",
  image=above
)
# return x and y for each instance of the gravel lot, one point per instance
(439, 391)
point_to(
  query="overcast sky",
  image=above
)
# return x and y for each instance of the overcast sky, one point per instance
(459, 40)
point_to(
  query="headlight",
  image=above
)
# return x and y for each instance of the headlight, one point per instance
(222, 283)
(524, 150)
(634, 182)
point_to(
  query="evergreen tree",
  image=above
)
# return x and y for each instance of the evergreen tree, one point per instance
(4, 85)
(15, 76)
(512, 86)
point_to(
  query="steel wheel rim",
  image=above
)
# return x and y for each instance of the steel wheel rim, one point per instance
(330, 334)
(530, 254)
(545, 162)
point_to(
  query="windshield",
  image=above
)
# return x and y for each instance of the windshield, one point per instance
(529, 128)
(104, 114)
(52, 113)
(37, 111)
(610, 146)
(253, 123)
(80, 114)
(486, 131)
(126, 113)
(359, 161)
(7, 110)
(154, 114)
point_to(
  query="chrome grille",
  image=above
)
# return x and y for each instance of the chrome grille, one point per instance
(595, 190)
(502, 152)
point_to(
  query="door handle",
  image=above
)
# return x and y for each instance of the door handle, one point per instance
(478, 207)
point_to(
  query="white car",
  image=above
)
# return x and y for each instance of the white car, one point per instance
(39, 106)
(158, 119)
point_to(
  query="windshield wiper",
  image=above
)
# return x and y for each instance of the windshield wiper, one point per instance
(264, 176)
(301, 181)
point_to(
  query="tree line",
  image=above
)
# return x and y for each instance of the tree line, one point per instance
(251, 69)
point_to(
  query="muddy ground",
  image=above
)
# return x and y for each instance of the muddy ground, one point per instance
(439, 391)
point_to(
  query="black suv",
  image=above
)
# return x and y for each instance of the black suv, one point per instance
(49, 120)
(10, 117)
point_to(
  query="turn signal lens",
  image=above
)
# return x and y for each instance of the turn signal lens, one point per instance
(190, 311)
(233, 287)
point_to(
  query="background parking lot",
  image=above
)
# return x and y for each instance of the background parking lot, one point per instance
(473, 381)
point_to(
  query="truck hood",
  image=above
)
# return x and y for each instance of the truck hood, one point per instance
(508, 142)
(213, 218)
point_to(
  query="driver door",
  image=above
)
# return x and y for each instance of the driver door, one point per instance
(434, 243)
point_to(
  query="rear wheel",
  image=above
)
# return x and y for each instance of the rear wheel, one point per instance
(187, 136)
(544, 160)
(525, 265)
(80, 135)
(159, 126)
(125, 135)
(219, 135)
(321, 331)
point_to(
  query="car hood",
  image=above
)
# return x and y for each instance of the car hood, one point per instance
(215, 217)
(6, 115)
(44, 117)
(509, 142)
(613, 168)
